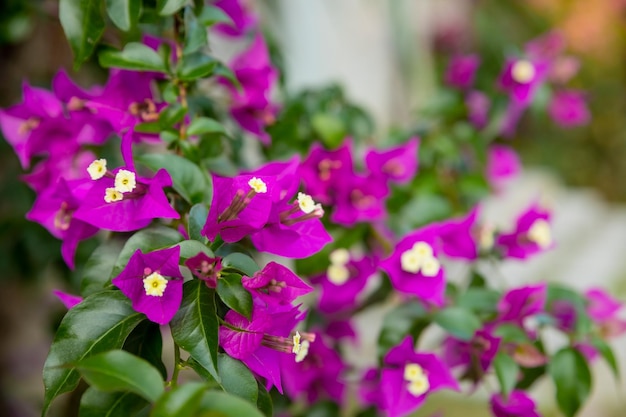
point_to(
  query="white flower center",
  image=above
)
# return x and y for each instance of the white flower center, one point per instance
(339, 256)
(540, 233)
(258, 185)
(338, 274)
(125, 181)
(306, 203)
(303, 351)
(154, 284)
(111, 195)
(97, 169)
(420, 258)
(417, 379)
(523, 71)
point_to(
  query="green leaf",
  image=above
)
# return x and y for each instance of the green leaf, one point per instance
(195, 33)
(118, 370)
(99, 266)
(223, 71)
(330, 128)
(479, 300)
(240, 262)
(190, 248)
(169, 7)
(147, 240)
(457, 321)
(146, 342)
(83, 23)
(124, 13)
(189, 180)
(406, 319)
(202, 125)
(607, 353)
(135, 56)
(234, 295)
(507, 372)
(96, 403)
(182, 401)
(197, 219)
(195, 325)
(171, 115)
(264, 402)
(100, 322)
(219, 403)
(211, 15)
(510, 333)
(196, 65)
(572, 378)
(237, 378)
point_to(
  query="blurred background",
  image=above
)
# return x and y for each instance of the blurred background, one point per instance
(389, 57)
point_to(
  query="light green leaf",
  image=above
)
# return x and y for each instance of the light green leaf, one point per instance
(83, 24)
(197, 219)
(203, 125)
(507, 372)
(135, 56)
(222, 404)
(572, 378)
(195, 33)
(124, 13)
(211, 15)
(182, 401)
(196, 65)
(169, 7)
(96, 403)
(457, 321)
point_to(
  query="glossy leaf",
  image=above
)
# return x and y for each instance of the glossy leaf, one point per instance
(135, 56)
(264, 401)
(124, 13)
(169, 7)
(190, 248)
(118, 370)
(572, 378)
(83, 23)
(507, 372)
(182, 401)
(203, 125)
(234, 295)
(240, 262)
(195, 325)
(96, 403)
(237, 378)
(188, 179)
(146, 342)
(223, 404)
(459, 322)
(171, 115)
(197, 219)
(147, 240)
(100, 322)
(99, 266)
(196, 65)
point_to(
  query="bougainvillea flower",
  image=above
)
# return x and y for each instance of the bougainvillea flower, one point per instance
(532, 234)
(286, 176)
(603, 310)
(474, 355)
(243, 20)
(478, 105)
(546, 47)
(293, 230)
(240, 206)
(457, 236)
(341, 329)
(111, 209)
(503, 165)
(522, 77)
(360, 199)
(68, 300)
(517, 404)
(343, 282)
(369, 388)
(67, 163)
(519, 303)
(205, 268)
(408, 377)
(276, 284)
(259, 342)
(568, 108)
(323, 170)
(55, 210)
(461, 71)
(318, 375)
(153, 283)
(397, 164)
(414, 268)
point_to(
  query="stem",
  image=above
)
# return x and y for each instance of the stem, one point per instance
(177, 366)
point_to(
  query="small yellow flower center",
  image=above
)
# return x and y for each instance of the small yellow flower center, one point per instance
(296, 343)
(430, 267)
(339, 256)
(97, 169)
(154, 284)
(540, 233)
(420, 258)
(523, 71)
(417, 379)
(258, 185)
(338, 274)
(303, 351)
(111, 195)
(125, 181)
(306, 203)
(486, 237)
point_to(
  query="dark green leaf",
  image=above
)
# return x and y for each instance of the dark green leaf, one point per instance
(169, 7)
(211, 15)
(189, 180)
(135, 56)
(182, 401)
(241, 262)
(404, 320)
(171, 115)
(570, 372)
(264, 402)
(100, 322)
(195, 325)
(223, 71)
(457, 321)
(83, 24)
(190, 248)
(124, 13)
(96, 403)
(202, 125)
(507, 372)
(222, 404)
(196, 65)
(197, 219)
(148, 127)
(146, 342)
(118, 370)
(99, 266)
(147, 240)
(607, 353)
(195, 33)
(237, 378)
(234, 295)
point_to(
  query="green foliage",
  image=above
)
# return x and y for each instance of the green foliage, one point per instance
(135, 56)
(83, 24)
(507, 372)
(458, 321)
(227, 405)
(96, 403)
(572, 378)
(232, 293)
(98, 268)
(181, 401)
(406, 319)
(124, 13)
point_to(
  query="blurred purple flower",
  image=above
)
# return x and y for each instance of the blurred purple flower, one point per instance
(532, 234)
(68, 300)
(398, 164)
(503, 165)
(461, 71)
(243, 20)
(518, 404)
(568, 108)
